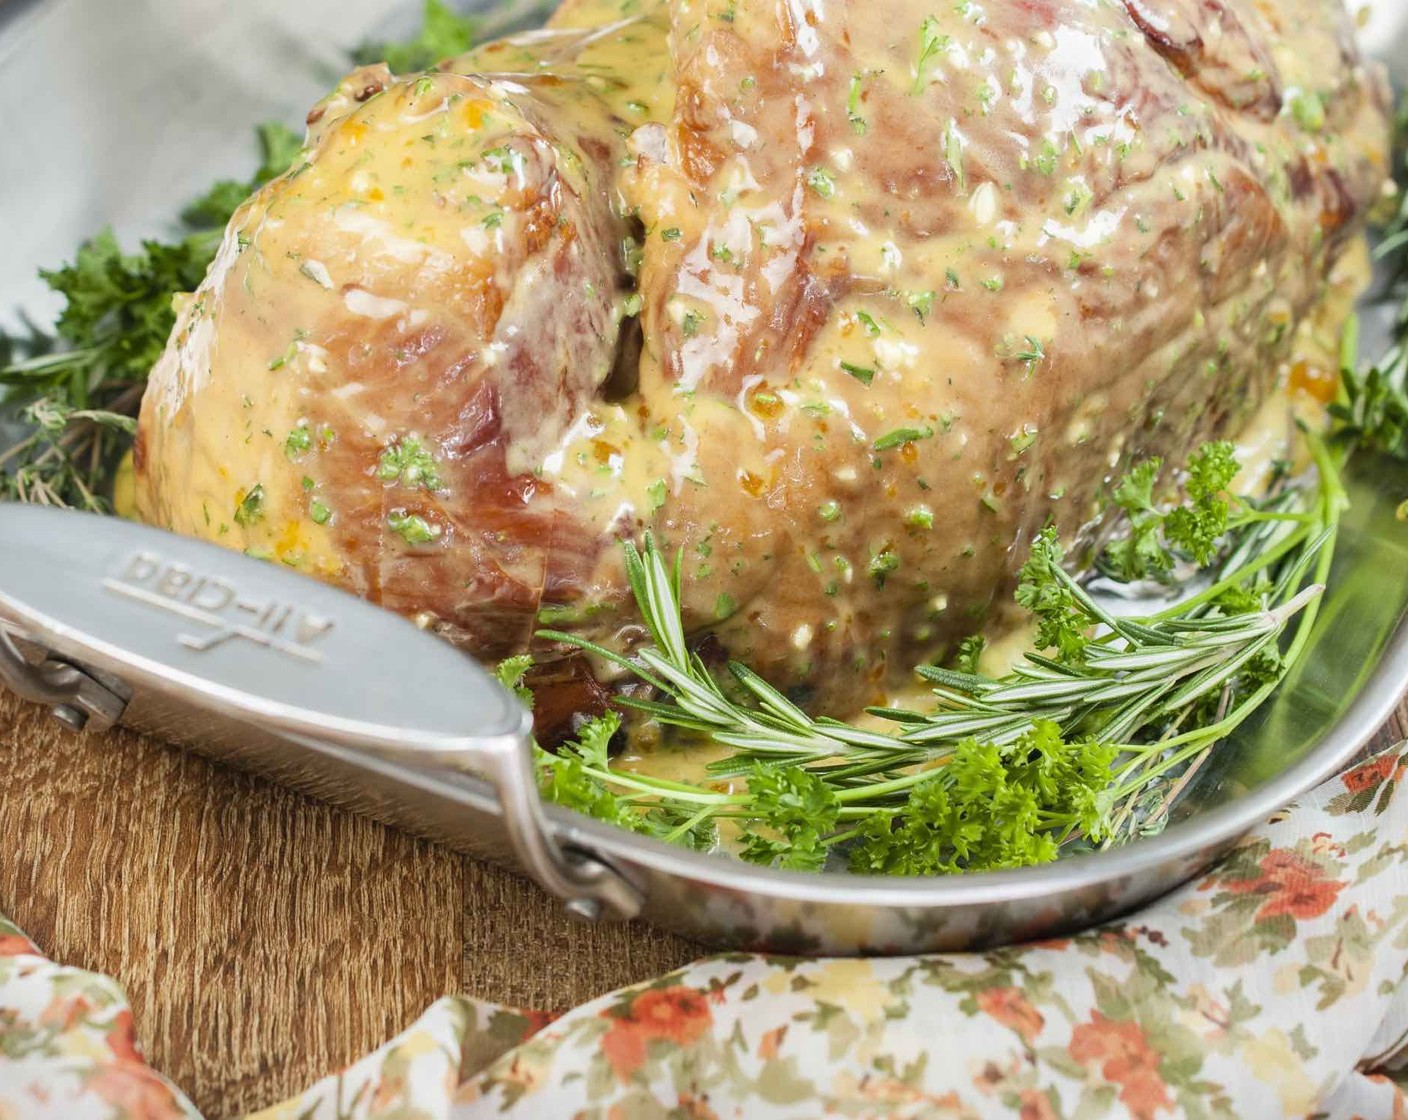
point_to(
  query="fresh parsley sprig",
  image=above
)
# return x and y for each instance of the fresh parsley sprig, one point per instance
(1158, 538)
(444, 33)
(570, 775)
(1092, 739)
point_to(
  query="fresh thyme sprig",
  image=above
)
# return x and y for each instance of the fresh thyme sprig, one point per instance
(73, 394)
(1070, 744)
(77, 395)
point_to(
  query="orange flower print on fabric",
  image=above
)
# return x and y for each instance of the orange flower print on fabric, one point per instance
(1291, 884)
(771, 1043)
(1372, 773)
(678, 1015)
(121, 1038)
(66, 1012)
(1124, 1058)
(1035, 1105)
(13, 945)
(1013, 1010)
(136, 1093)
(623, 1047)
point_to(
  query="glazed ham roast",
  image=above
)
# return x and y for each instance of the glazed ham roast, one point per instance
(843, 300)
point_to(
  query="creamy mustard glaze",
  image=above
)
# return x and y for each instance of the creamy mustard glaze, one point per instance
(908, 284)
(1016, 255)
(1305, 385)
(436, 282)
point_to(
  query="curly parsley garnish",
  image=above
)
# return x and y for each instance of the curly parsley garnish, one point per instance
(1157, 539)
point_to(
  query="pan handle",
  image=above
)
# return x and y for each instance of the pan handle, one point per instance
(120, 612)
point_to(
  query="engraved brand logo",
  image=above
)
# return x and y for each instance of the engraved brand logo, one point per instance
(218, 604)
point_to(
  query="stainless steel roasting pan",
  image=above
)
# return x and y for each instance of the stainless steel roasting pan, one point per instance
(117, 114)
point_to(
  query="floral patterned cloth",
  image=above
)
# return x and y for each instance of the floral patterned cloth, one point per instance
(1273, 986)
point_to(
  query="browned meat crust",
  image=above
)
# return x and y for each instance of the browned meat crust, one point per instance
(911, 283)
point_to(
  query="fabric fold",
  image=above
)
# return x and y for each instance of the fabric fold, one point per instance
(1271, 986)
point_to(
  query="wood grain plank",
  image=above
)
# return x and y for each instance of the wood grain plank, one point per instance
(1394, 731)
(522, 949)
(264, 938)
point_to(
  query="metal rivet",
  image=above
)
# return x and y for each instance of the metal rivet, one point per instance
(71, 717)
(584, 909)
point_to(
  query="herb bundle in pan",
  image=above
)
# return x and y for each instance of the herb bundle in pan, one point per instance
(1087, 739)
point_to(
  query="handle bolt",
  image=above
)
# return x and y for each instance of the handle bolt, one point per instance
(584, 909)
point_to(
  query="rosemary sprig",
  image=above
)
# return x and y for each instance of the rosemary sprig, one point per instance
(1115, 715)
(1126, 716)
(1089, 741)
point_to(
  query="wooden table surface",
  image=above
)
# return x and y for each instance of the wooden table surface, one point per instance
(264, 938)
